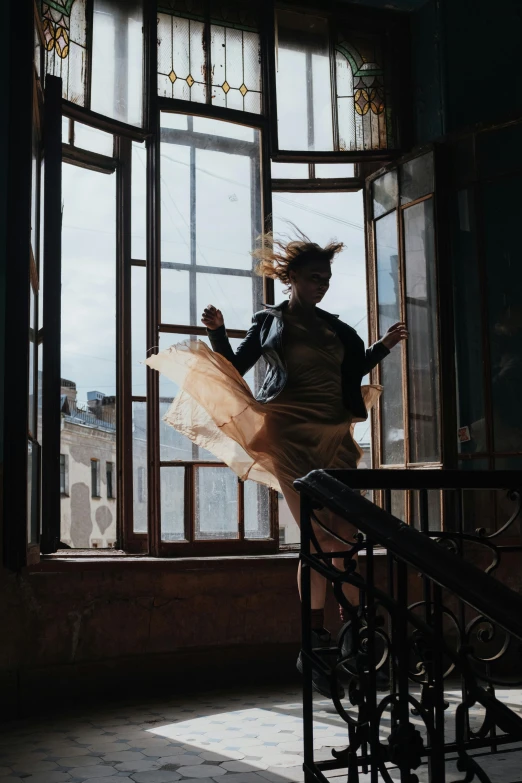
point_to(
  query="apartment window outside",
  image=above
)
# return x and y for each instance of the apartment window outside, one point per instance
(95, 478)
(64, 489)
(110, 480)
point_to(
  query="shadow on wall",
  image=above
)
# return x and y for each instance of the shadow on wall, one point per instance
(81, 520)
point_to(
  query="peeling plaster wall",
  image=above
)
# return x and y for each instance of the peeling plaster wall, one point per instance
(87, 521)
(135, 620)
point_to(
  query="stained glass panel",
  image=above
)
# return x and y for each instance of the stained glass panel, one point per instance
(235, 63)
(181, 51)
(236, 60)
(65, 43)
(363, 102)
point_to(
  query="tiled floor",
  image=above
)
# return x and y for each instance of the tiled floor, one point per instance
(213, 738)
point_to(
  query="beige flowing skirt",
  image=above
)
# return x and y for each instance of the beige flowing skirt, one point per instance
(216, 409)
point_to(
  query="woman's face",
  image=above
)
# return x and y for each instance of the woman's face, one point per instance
(311, 281)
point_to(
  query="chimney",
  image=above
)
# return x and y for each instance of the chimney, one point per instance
(68, 389)
(94, 402)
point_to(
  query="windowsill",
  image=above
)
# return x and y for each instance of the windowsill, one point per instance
(99, 560)
(83, 560)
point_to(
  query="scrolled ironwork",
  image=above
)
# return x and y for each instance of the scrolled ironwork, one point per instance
(453, 631)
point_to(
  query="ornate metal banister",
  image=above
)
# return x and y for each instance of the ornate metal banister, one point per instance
(412, 643)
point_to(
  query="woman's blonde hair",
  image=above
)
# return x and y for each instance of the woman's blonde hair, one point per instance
(278, 257)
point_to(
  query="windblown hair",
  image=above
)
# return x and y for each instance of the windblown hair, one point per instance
(278, 257)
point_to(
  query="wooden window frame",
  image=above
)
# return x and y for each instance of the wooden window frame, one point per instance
(191, 546)
(444, 325)
(121, 163)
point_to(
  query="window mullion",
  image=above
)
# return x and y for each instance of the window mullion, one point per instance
(124, 478)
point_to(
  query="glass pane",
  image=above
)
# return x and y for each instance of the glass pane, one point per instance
(416, 178)
(385, 192)
(175, 200)
(138, 330)
(216, 503)
(139, 466)
(434, 510)
(117, 60)
(32, 338)
(329, 170)
(236, 65)
(421, 313)
(304, 101)
(363, 101)
(65, 130)
(88, 348)
(289, 532)
(211, 217)
(181, 56)
(231, 294)
(504, 283)
(257, 510)
(30, 454)
(139, 201)
(39, 407)
(224, 203)
(65, 37)
(398, 504)
(172, 504)
(175, 298)
(93, 139)
(290, 170)
(468, 317)
(229, 130)
(175, 121)
(389, 304)
(323, 217)
(173, 445)
(35, 189)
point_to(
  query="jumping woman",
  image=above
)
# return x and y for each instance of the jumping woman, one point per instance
(304, 414)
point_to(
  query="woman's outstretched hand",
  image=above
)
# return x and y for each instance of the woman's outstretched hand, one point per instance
(212, 318)
(394, 335)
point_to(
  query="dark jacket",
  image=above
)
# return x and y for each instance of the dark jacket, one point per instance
(265, 338)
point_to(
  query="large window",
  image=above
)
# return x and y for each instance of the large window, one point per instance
(211, 217)
(170, 113)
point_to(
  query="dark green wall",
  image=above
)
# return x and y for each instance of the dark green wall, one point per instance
(483, 43)
(467, 61)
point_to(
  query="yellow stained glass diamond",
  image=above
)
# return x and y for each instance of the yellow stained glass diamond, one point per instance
(243, 90)
(225, 87)
(172, 77)
(190, 80)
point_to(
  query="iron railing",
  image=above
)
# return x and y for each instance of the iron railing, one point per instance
(463, 625)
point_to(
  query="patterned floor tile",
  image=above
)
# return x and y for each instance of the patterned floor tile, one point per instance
(206, 770)
(158, 776)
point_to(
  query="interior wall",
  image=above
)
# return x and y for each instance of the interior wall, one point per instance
(466, 57)
(4, 156)
(103, 629)
(484, 58)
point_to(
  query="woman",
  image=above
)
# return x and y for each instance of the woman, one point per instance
(303, 416)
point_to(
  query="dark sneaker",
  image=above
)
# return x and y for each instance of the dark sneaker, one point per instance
(320, 682)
